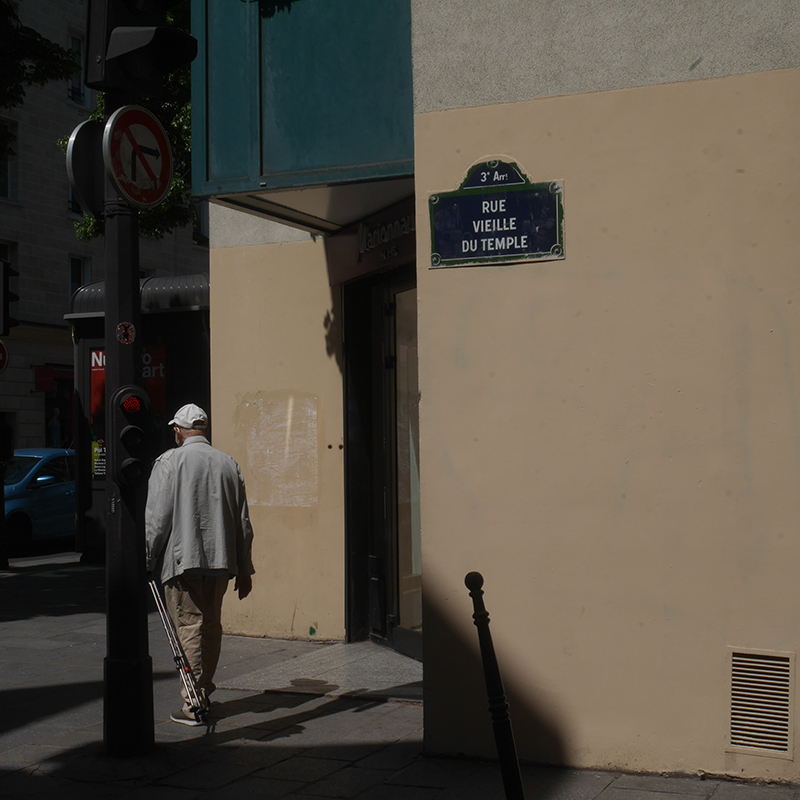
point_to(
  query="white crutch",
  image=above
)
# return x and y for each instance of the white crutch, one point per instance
(181, 664)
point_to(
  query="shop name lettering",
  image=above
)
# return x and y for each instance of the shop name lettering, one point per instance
(149, 369)
(384, 235)
(497, 224)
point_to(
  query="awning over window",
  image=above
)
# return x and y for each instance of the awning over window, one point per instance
(159, 295)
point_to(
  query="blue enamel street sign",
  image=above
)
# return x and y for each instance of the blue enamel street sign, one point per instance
(497, 216)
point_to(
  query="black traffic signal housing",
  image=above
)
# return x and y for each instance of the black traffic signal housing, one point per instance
(130, 420)
(129, 46)
(8, 297)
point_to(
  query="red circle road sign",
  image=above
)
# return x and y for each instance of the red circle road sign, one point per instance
(3, 356)
(136, 153)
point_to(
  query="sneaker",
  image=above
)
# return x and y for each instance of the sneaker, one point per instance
(185, 717)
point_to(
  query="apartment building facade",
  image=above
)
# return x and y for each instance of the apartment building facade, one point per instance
(37, 236)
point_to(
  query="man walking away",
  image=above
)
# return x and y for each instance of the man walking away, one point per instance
(198, 530)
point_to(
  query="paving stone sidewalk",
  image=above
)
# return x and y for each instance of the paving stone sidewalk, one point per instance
(293, 719)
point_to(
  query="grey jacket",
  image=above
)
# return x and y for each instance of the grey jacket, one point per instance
(196, 515)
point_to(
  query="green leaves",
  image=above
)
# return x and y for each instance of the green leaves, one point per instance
(29, 59)
(26, 59)
(174, 111)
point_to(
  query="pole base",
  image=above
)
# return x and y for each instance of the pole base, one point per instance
(128, 723)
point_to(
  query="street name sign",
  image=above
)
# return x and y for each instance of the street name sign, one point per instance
(137, 154)
(497, 216)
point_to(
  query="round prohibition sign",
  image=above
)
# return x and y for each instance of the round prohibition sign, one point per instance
(136, 153)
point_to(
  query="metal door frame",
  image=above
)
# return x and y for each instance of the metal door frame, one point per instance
(370, 461)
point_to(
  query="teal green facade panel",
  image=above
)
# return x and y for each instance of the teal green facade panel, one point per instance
(300, 93)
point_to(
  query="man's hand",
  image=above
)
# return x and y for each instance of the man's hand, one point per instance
(244, 585)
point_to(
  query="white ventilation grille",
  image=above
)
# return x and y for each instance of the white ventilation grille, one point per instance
(761, 702)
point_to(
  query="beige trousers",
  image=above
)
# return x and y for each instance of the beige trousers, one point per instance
(195, 606)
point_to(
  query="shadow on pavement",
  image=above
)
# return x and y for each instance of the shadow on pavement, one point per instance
(23, 706)
(266, 703)
(53, 732)
(26, 705)
(333, 747)
(29, 589)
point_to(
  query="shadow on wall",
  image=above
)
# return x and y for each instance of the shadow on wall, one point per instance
(269, 8)
(457, 719)
(333, 329)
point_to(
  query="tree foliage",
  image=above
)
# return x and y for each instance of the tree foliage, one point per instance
(174, 111)
(26, 59)
(29, 59)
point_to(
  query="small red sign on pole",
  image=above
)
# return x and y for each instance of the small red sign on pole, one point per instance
(3, 357)
(136, 153)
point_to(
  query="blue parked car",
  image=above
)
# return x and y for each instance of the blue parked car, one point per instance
(39, 495)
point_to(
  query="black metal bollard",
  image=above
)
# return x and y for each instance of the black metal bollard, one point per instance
(498, 707)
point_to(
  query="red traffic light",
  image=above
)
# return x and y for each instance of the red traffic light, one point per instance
(132, 404)
(128, 445)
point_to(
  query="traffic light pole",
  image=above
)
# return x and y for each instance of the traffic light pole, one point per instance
(128, 673)
(129, 50)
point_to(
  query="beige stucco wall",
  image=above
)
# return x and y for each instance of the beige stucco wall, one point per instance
(277, 408)
(613, 440)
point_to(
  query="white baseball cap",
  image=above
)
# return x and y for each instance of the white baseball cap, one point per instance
(190, 416)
